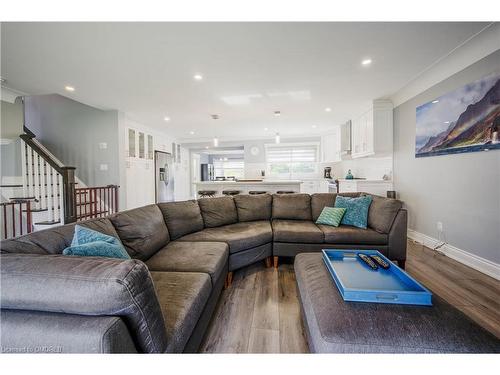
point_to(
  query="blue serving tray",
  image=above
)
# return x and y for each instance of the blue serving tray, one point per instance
(357, 282)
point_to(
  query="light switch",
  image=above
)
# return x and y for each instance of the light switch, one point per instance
(103, 167)
(103, 145)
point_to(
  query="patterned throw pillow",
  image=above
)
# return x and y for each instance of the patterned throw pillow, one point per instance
(88, 242)
(357, 210)
(331, 216)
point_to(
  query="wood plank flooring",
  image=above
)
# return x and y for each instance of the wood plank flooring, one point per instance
(260, 312)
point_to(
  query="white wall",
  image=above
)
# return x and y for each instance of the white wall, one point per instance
(137, 180)
(461, 190)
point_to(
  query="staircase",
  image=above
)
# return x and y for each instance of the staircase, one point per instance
(48, 194)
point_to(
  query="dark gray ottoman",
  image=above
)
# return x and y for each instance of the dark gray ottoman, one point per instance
(335, 326)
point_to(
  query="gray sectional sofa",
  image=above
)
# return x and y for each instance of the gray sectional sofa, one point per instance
(183, 253)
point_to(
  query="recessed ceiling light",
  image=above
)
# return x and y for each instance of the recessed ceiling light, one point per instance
(69, 88)
(166, 118)
(328, 109)
(216, 142)
(366, 62)
(435, 101)
(191, 132)
(314, 126)
(277, 113)
(446, 122)
(266, 129)
(206, 147)
(198, 77)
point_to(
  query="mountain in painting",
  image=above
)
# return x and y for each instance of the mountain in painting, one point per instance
(474, 126)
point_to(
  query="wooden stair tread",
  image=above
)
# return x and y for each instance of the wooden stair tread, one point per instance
(48, 222)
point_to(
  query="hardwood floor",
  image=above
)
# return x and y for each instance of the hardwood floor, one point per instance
(260, 312)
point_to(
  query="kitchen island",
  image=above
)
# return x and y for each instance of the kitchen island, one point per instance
(245, 186)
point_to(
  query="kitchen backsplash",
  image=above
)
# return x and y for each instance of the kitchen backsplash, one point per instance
(370, 168)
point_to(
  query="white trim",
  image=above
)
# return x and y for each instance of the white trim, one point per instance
(9, 95)
(472, 50)
(480, 264)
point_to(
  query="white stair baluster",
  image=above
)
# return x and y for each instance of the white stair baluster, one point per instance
(24, 150)
(44, 182)
(36, 179)
(59, 202)
(52, 191)
(29, 172)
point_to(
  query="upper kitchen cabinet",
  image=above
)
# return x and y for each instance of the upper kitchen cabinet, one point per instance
(331, 146)
(372, 131)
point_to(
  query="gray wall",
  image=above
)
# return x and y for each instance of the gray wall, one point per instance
(11, 128)
(72, 132)
(462, 190)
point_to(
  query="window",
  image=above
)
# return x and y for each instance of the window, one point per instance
(225, 167)
(292, 160)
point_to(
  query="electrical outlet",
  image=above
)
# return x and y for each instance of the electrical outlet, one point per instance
(439, 226)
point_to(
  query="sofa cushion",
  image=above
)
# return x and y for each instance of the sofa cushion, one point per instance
(345, 234)
(142, 230)
(320, 201)
(382, 213)
(54, 240)
(182, 297)
(182, 217)
(205, 257)
(356, 210)
(217, 212)
(296, 231)
(292, 206)
(253, 207)
(240, 236)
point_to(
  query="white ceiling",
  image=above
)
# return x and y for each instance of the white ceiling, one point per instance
(250, 70)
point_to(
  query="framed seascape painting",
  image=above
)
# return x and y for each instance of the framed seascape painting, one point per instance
(464, 120)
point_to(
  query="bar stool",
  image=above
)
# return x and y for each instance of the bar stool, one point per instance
(230, 192)
(257, 192)
(207, 193)
(285, 192)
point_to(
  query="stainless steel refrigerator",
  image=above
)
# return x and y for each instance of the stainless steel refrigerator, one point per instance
(164, 177)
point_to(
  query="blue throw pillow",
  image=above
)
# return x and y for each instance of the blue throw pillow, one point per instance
(357, 210)
(88, 242)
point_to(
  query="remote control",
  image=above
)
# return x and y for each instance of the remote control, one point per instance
(382, 263)
(368, 261)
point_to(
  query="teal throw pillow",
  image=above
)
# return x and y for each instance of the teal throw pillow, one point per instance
(88, 242)
(331, 216)
(357, 210)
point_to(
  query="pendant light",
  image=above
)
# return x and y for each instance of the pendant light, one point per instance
(277, 138)
(216, 142)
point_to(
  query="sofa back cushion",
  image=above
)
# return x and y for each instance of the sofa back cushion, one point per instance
(253, 207)
(54, 240)
(182, 218)
(320, 201)
(218, 211)
(142, 231)
(292, 206)
(91, 286)
(382, 213)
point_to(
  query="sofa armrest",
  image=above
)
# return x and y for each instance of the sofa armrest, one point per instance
(398, 236)
(86, 286)
(44, 332)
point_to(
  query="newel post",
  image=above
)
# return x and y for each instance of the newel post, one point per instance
(69, 196)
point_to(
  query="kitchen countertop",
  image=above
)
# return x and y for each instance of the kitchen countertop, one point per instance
(265, 182)
(363, 180)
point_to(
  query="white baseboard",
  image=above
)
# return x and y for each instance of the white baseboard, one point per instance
(473, 261)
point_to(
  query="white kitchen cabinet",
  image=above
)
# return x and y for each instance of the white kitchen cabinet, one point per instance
(372, 130)
(377, 187)
(314, 186)
(330, 146)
